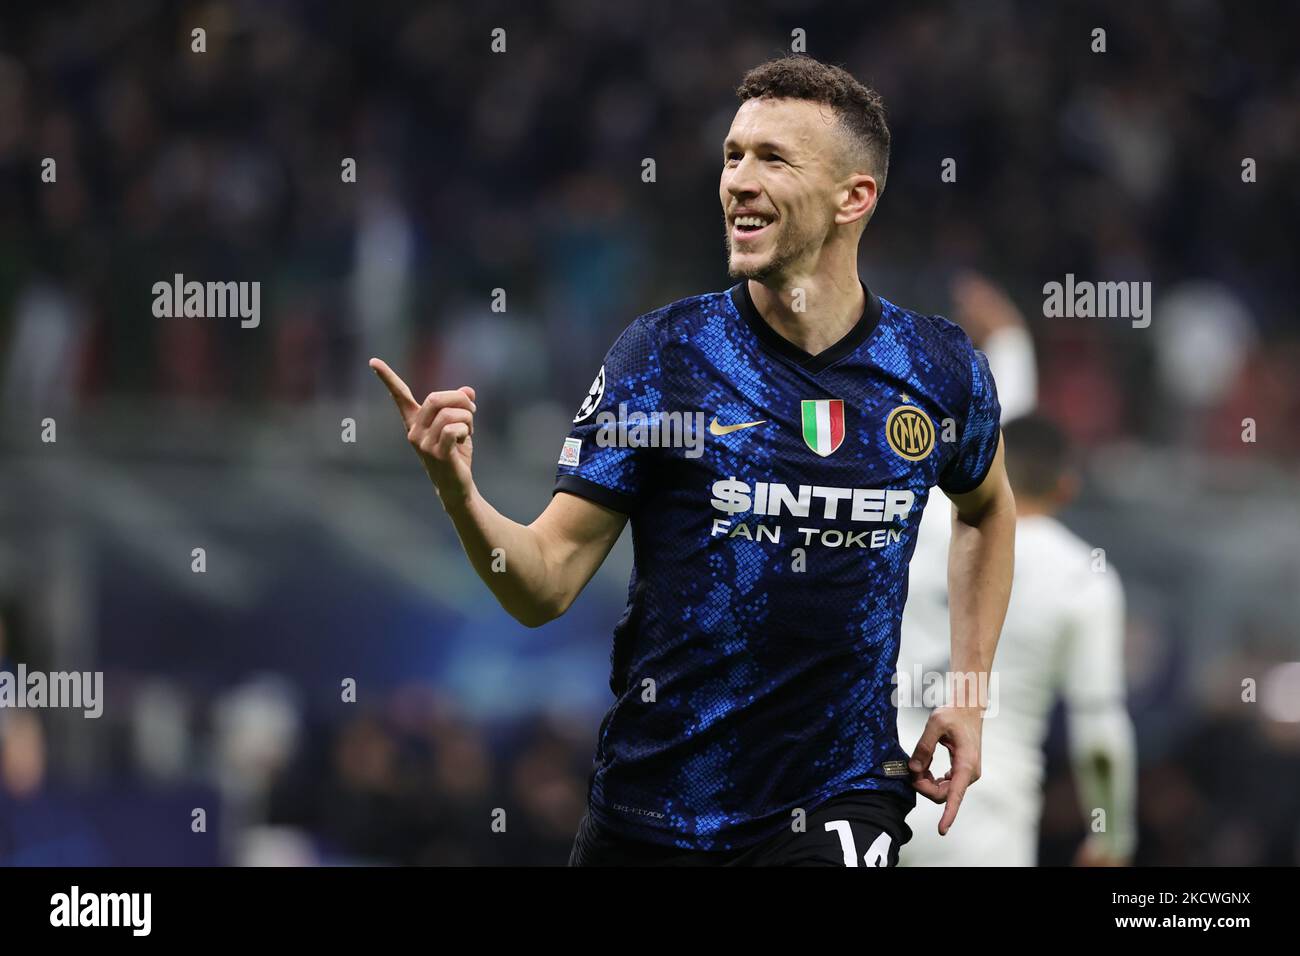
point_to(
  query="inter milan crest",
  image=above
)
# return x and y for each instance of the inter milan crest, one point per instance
(594, 395)
(823, 424)
(910, 432)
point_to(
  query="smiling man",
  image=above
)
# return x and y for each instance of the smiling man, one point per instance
(752, 670)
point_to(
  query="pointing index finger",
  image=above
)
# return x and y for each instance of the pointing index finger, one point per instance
(402, 397)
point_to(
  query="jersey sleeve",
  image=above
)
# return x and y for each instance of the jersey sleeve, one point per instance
(1094, 672)
(595, 463)
(980, 431)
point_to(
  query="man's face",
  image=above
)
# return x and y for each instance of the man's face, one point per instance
(780, 161)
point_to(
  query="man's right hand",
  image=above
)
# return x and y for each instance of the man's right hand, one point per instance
(960, 729)
(441, 431)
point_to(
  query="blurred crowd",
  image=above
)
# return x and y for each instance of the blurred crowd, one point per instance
(522, 171)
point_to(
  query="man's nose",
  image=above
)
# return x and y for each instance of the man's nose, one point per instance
(741, 180)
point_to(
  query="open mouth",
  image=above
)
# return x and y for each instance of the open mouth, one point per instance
(749, 227)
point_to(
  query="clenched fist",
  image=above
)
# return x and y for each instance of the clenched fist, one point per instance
(441, 431)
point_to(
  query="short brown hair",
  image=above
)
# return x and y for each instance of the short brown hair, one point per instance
(1038, 455)
(860, 109)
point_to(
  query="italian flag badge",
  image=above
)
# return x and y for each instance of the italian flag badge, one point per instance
(823, 424)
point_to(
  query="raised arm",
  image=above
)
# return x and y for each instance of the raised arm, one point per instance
(535, 570)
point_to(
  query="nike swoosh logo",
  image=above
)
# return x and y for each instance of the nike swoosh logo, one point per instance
(716, 429)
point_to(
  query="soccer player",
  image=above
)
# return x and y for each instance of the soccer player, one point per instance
(1064, 634)
(753, 722)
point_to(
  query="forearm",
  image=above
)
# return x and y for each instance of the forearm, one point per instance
(511, 558)
(1104, 758)
(535, 571)
(980, 558)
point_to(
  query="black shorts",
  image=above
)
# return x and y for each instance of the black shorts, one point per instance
(860, 828)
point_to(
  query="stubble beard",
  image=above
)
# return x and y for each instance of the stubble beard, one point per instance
(788, 249)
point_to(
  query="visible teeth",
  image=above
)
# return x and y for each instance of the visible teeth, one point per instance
(757, 221)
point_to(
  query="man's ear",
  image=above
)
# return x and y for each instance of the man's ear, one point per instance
(860, 193)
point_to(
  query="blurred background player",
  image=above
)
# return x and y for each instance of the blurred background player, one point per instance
(1064, 634)
(997, 327)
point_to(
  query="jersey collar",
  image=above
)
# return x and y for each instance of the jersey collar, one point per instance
(772, 340)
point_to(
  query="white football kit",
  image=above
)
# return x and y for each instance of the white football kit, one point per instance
(1064, 633)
